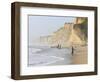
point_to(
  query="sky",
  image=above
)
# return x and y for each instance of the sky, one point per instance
(45, 25)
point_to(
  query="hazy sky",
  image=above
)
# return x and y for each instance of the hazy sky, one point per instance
(46, 25)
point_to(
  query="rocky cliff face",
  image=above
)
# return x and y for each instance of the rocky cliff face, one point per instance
(71, 34)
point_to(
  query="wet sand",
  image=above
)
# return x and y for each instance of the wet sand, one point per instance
(49, 56)
(80, 55)
(44, 56)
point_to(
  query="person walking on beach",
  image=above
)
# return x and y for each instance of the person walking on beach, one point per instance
(72, 50)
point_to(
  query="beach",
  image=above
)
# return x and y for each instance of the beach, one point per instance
(80, 55)
(47, 56)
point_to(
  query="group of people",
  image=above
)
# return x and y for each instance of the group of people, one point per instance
(59, 46)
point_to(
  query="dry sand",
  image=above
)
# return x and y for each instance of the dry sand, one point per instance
(80, 55)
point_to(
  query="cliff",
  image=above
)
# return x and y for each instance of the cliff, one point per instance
(71, 34)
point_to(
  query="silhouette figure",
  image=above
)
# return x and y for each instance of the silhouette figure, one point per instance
(72, 50)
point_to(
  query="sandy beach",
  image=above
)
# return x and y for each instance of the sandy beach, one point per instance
(80, 55)
(43, 56)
